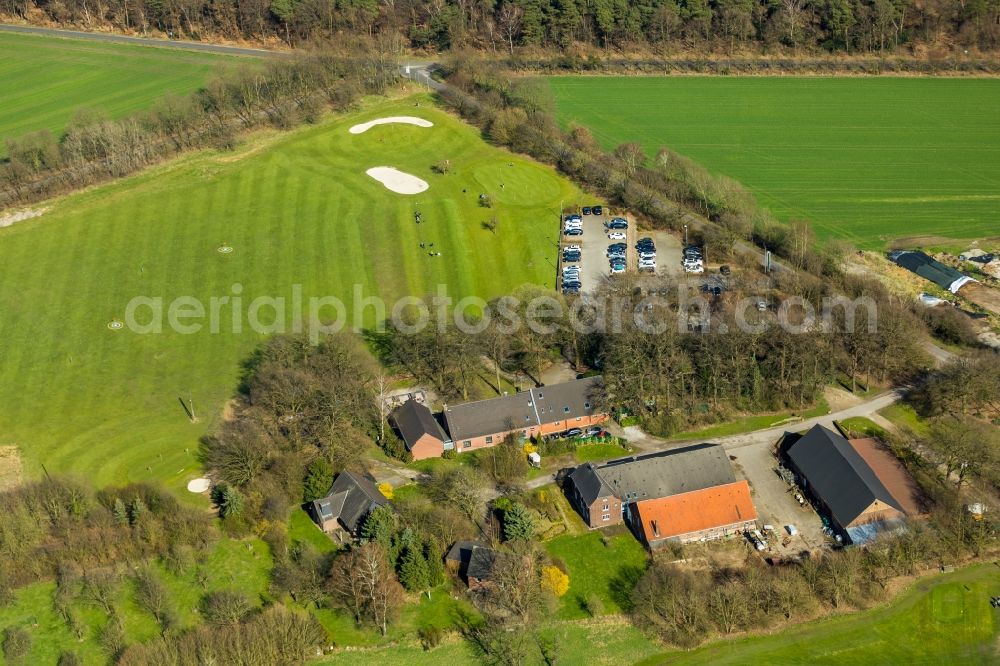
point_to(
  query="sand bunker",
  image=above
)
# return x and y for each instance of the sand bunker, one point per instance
(398, 181)
(405, 120)
(199, 485)
(11, 218)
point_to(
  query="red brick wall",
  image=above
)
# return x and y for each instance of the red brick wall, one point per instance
(547, 429)
(427, 446)
(597, 512)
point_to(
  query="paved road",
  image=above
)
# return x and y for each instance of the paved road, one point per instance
(421, 73)
(142, 41)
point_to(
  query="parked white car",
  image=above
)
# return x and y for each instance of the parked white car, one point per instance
(694, 269)
(616, 235)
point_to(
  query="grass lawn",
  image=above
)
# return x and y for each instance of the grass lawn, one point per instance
(903, 415)
(751, 423)
(864, 159)
(609, 571)
(609, 641)
(944, 619)
(859, 426)
(301, 528)
(590, 452)
(45, 80)
(298, 209)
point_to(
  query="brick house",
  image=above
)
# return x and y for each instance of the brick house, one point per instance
(350, 499)
(538, 411)
(633, 489)
(419, 430)
(593, 498)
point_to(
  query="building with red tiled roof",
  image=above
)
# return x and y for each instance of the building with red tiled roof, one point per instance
(698, 515)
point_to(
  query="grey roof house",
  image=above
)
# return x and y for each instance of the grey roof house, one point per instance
(532, 410)
(655, 475)
(420, 431)
(604, 494)
(350, 499)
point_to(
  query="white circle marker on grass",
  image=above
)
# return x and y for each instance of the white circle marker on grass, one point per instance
(394, 120)
(398, 181)
(225, 249)
(199, 485)
(115, 325)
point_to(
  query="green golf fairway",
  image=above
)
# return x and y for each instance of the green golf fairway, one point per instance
(297, 209)
(864, 159)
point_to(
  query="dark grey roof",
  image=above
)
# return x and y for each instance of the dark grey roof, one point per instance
(928, 268)
(537, 406)
(655, 475)
(350, 499)
(331, 506)
(838, 474)
(414, 420)
(589, 483)
(462, 550)
(481, 563)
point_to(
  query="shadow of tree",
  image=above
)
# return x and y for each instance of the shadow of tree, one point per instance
(623, 583)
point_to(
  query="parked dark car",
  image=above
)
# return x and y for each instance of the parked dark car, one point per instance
(573, 232)
(618, 223)
(573, 432)
(597, 210)
(724, 270)
(586, 210)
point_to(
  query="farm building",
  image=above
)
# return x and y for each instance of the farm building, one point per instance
(859, 485)
(479, 570)
(350, 499)
(537, 411)
(686, 494)
(923, 265)
(419, 430)
(699, 515)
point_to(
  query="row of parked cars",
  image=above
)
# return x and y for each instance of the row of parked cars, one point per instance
(573, 225)
(693, 260)
(647, 254)
(581, 433)
(571, 256)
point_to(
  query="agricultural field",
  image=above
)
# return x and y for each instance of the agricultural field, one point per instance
(866, 160)
(294, 208)
(45, 80)
(944, 619)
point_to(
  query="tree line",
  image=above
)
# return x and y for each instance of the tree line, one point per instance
(661, 26)
(280, 93)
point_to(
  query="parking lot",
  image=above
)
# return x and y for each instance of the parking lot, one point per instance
(593, 243)
(775, 502)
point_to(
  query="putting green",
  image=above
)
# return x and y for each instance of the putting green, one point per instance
(296, 209)
(513, 183)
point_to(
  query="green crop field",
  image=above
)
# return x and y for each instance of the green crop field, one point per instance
(44, 80)
(864, 159)
(946, 619)
(297, 209)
